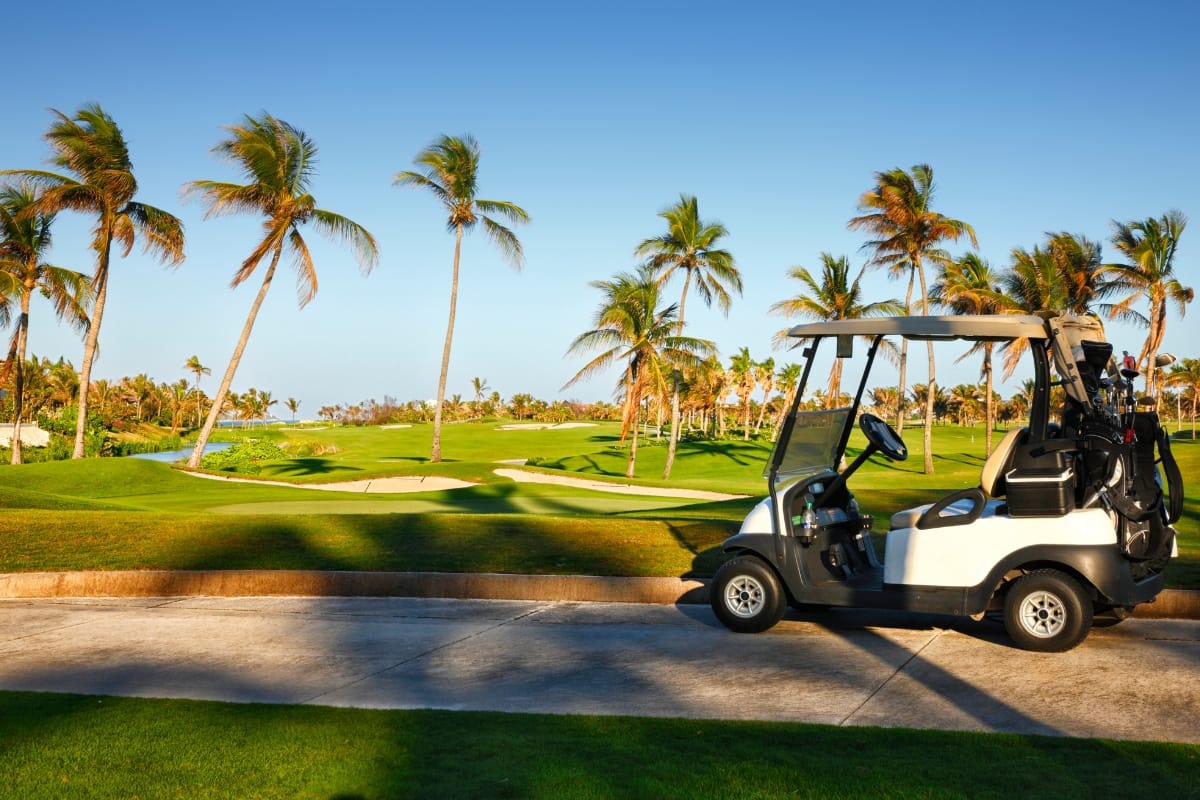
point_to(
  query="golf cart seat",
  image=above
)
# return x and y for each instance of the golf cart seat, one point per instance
(961, 508)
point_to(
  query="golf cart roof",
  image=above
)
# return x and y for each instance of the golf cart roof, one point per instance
(969, 327)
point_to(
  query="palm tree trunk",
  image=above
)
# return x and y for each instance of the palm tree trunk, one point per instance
(19, 375)
(435, 455)
(92, 344)
(214, 413)
(932, 387)
(673, 444)
(904, 360)
(989, 408)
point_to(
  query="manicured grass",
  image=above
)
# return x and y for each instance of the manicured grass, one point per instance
(54, 746)
(40, 541)
(130, 513)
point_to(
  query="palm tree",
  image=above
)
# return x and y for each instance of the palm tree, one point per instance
(908, 231)
(92, 149)
(24, 242)
(969, 286)
(788, 379)
(293, 405)
(479, 386)
(278, 161)
(690, 246)
(194, 366)
(1186, 375)
(1079, 267)
(450, 168)
(884, 397)
(741, 372)
(764, 376)
(833, 297)
(1150, 247)
(631, 328)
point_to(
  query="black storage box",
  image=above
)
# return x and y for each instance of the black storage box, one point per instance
(1040, 492)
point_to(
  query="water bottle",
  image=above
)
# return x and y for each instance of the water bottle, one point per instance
(810, 521)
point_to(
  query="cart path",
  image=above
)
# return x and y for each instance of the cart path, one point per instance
(1131, 681)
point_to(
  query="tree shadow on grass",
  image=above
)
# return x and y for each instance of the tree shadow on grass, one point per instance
(307, 466)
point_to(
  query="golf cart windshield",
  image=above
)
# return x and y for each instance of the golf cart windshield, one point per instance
(813, 445)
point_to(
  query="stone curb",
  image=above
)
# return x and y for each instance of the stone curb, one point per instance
(243, 583)
(1171, 604)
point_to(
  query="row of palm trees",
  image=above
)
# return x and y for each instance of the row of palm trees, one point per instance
(1066, 274)
(276, 162)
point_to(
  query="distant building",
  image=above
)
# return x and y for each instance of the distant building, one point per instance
(31, 435)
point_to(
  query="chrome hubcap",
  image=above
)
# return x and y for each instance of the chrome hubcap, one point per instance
(745, 596)
(1043, 614)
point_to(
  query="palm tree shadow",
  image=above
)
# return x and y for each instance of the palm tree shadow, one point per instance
(307, 466)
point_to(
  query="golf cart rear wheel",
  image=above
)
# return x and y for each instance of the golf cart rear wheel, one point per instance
(746, 595)
(1047, 611)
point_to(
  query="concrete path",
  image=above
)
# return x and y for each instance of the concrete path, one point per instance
(1137, 680)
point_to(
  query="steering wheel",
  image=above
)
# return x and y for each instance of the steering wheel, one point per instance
(882, 437)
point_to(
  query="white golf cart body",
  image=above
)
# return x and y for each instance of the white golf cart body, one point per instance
(1031, 521)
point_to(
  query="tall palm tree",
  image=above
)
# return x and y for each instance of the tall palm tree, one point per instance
(92, 149)
(277, 161)
(449, 169)
(631, 328)
(969, 286)
(831, 297)
(293, 405)
(907, 231)
(24, 242)
(690, 246)
(1150, 246)
(194, 366)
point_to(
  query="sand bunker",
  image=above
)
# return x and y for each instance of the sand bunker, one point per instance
(394, 485)
(545, 426)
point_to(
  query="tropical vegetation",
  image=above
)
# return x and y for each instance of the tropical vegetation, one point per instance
(91, 148)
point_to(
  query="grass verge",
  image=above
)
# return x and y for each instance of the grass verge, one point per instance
(57, 746)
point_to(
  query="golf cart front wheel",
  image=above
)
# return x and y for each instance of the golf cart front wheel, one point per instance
(746, 595)
(1047, 611)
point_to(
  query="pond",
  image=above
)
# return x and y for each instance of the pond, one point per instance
(170, 456)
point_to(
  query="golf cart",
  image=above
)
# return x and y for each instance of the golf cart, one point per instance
(1069, 518)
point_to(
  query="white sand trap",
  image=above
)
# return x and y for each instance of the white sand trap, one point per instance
(522, 476)
(395, 485)
(545, 426)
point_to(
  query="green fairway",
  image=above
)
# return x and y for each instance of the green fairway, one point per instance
(54, 746)
(136, 514)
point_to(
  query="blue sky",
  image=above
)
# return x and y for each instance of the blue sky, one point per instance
(594, 117)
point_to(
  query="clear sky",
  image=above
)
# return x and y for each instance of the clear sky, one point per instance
(594, 117)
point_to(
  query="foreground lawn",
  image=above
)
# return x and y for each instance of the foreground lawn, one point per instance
(55, 746)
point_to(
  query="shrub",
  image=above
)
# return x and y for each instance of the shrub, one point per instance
(246, 458)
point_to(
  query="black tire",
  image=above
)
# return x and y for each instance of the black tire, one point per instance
(746, 595)
(1047, 611)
